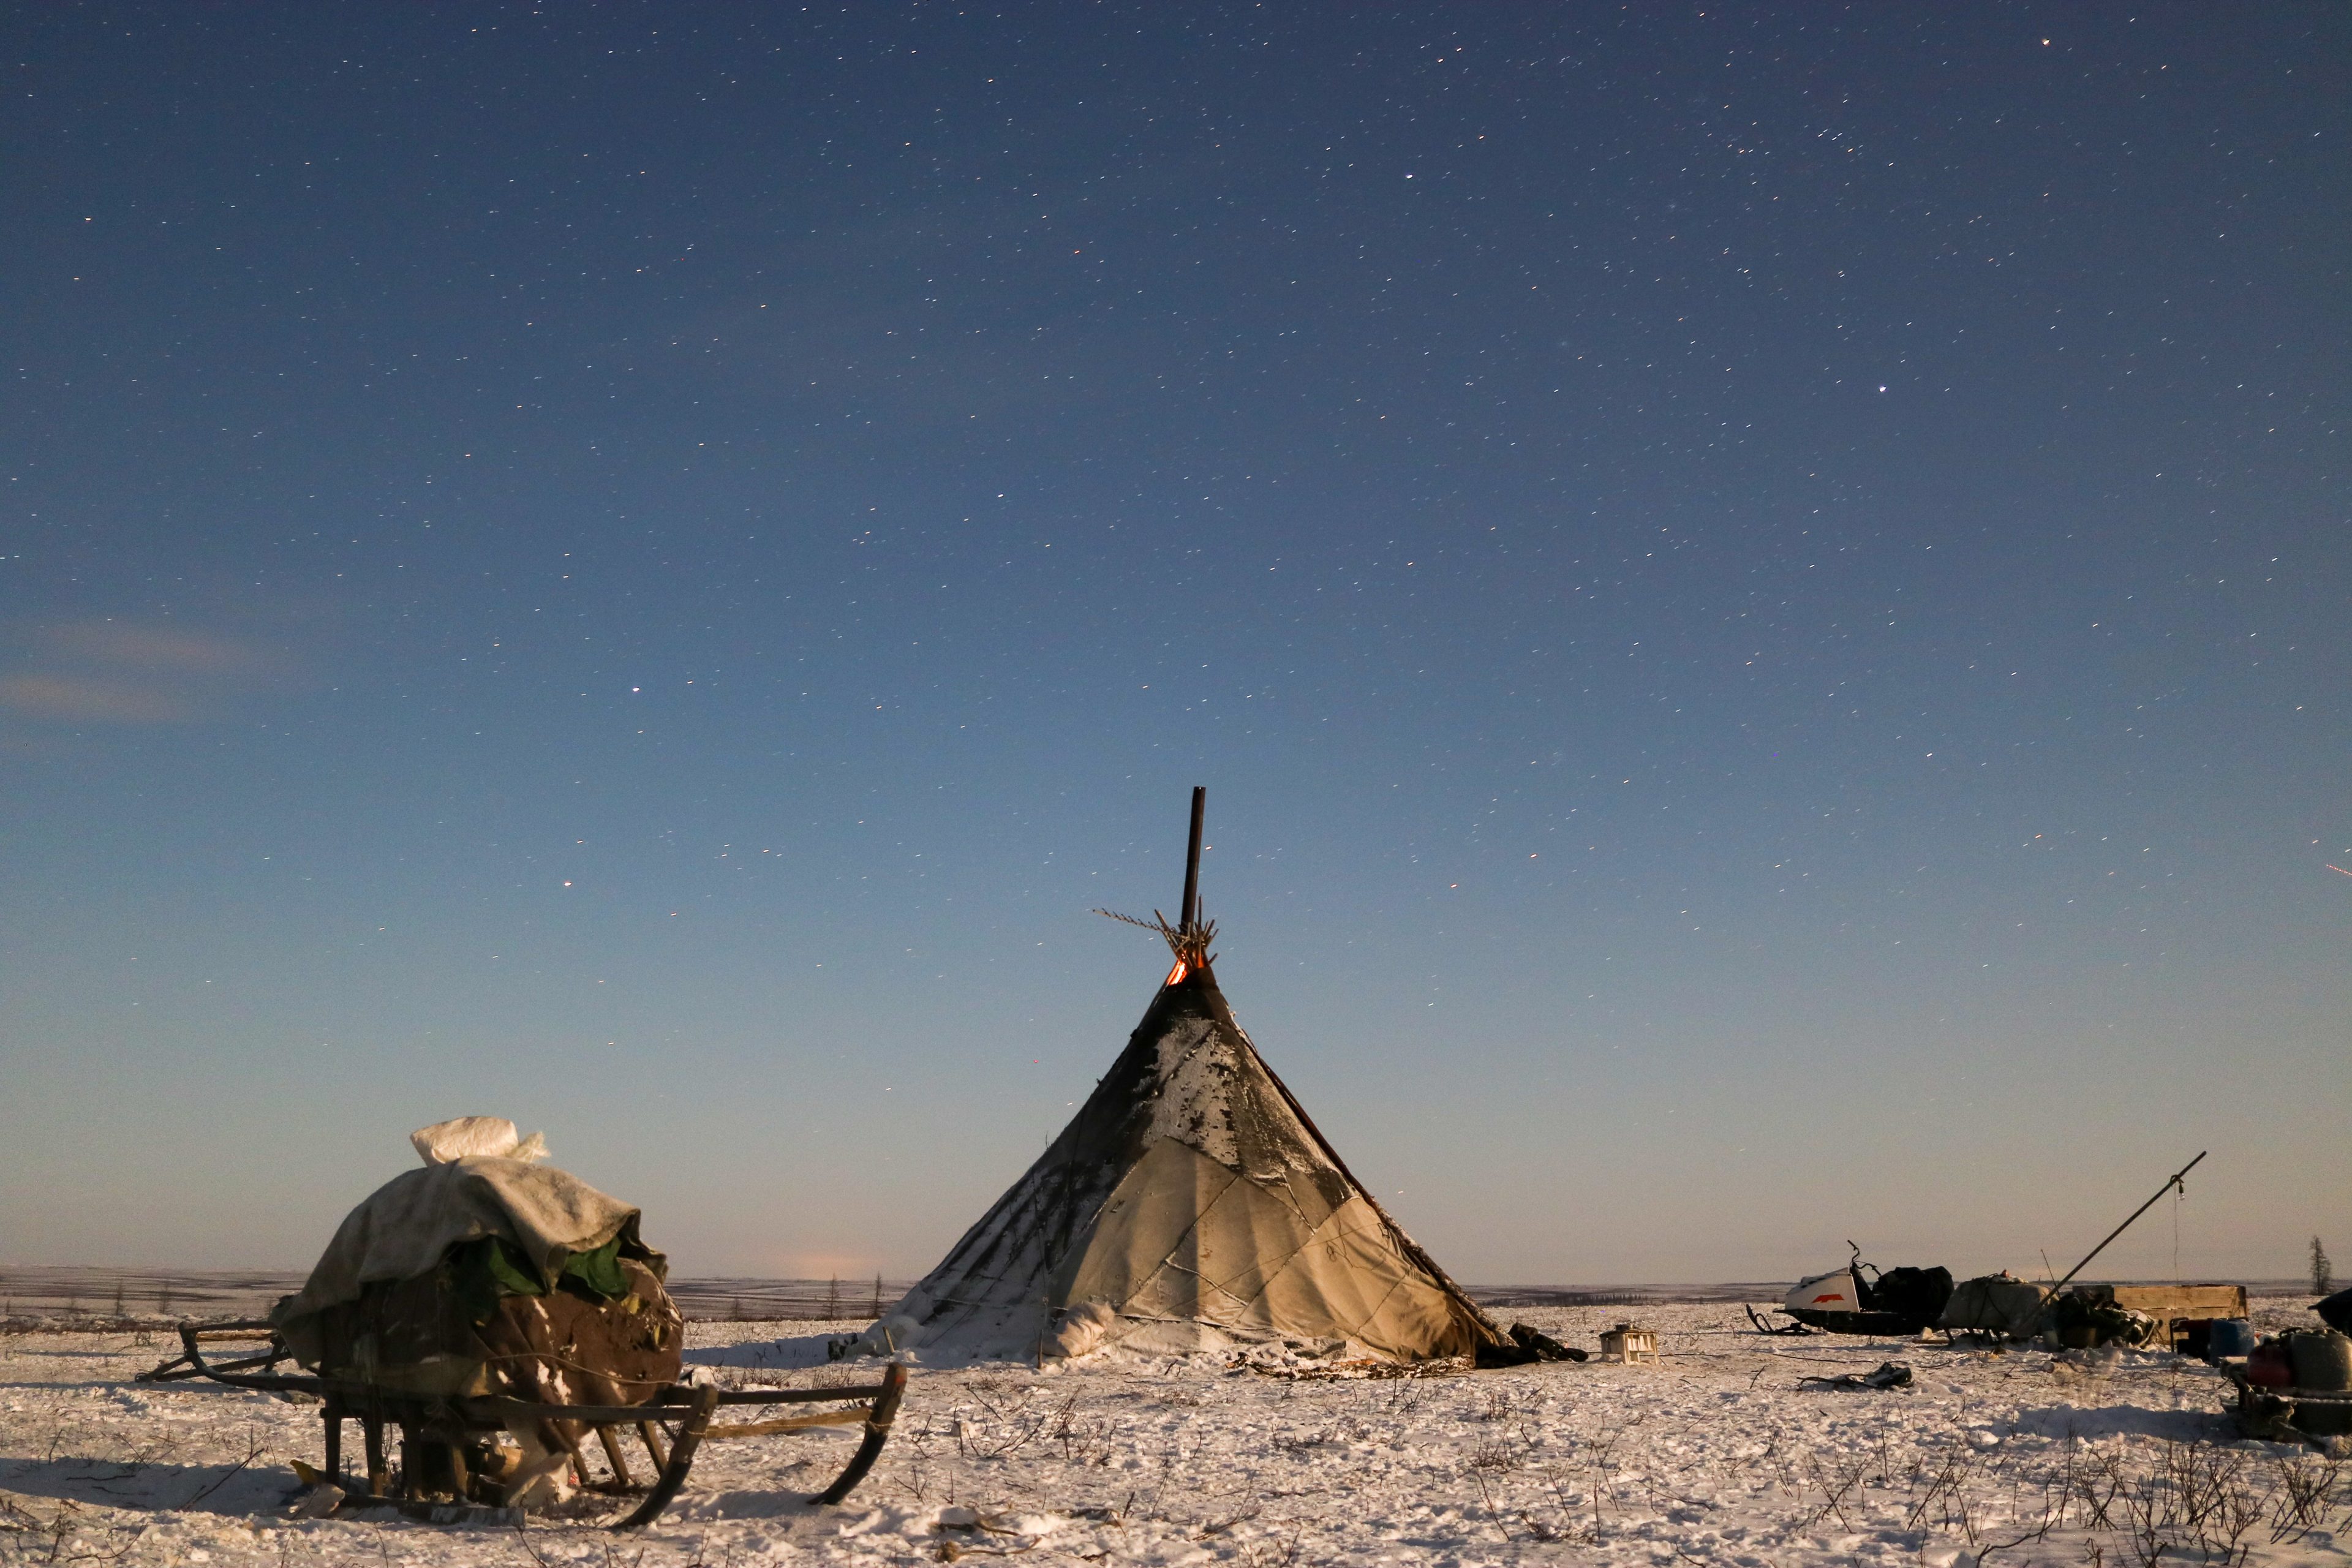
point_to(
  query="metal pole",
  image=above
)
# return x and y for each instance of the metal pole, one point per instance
(1190, 912)
(2171, 1182)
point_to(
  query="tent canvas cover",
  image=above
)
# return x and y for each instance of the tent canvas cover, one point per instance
(1190, 1205)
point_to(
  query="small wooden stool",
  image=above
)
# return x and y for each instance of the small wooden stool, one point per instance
(1629, 1344)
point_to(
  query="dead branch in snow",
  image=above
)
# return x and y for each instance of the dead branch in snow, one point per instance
(254, 1449)
(1835, 1487)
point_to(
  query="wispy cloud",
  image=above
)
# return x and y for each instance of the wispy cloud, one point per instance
(81, 698)
(123, 672)
(152, 649)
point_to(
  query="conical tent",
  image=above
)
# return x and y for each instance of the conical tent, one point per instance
(1190, 1204)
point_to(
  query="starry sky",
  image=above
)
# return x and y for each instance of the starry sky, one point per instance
(1760, 595)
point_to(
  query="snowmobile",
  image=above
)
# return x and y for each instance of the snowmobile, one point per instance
(1911, 1301)
(1859, 1299)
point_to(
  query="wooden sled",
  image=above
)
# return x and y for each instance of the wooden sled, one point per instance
(2290, 1414)
(435, 1433)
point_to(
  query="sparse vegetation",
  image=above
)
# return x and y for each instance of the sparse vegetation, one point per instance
(2022, 1459)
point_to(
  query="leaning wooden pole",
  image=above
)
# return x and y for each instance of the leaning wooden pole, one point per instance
(2170, 1182)
(1189, 912)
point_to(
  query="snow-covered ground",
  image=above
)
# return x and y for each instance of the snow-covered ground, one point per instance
(1716, 1455)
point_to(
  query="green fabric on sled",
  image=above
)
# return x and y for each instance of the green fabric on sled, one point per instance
(483, 1270)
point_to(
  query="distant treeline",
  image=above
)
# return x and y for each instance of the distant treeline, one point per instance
(1619, 1295)
(131, 1297)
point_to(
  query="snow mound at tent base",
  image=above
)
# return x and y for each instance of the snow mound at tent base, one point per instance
(1090, 1330)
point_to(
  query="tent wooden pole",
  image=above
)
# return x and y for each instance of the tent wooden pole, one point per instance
(2171, 1181)
(1189, 912)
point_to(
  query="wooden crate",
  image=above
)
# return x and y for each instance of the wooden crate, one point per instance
(1629, 1344)
(2174, 1307)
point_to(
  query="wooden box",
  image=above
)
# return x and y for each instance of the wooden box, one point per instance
(1629, 1343)
(2174, 1307)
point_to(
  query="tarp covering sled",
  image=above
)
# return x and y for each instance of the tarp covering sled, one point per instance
(1995, 1304)
(498, 1313)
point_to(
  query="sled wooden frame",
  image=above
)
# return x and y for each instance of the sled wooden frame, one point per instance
(2289, 1415)
(673, 1423)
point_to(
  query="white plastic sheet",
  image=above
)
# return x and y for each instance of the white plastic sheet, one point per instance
(446, 1143)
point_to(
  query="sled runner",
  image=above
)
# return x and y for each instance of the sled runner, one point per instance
(498, 1312)
(457, 1450)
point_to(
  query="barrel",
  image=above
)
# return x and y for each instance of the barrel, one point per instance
(2228, 1337)
(2322, 1360)
(2267, 1365)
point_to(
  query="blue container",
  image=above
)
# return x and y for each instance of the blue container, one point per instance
(2228, 1337)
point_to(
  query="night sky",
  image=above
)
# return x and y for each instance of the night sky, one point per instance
(1762, 596)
